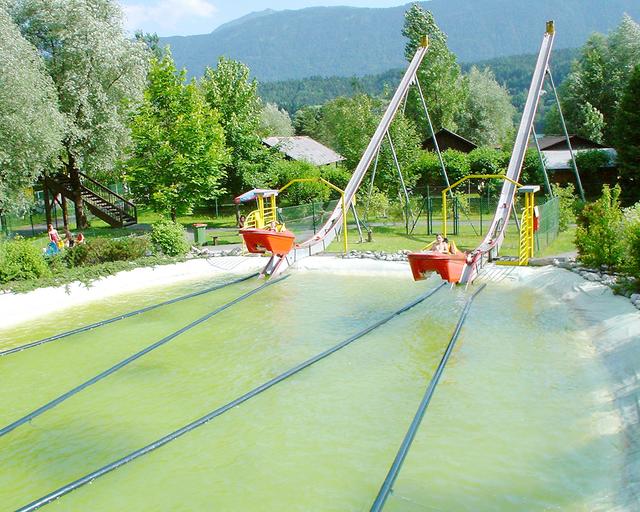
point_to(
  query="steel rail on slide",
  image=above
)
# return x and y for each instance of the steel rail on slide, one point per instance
(220, 410)
(496, 233)
(130, 359)
(326, 234)
(387, 485)
(123, 316)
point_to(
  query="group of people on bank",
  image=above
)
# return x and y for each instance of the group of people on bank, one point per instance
(57, 243)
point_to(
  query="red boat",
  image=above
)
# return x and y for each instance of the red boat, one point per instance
(449, 266)
(266, 240)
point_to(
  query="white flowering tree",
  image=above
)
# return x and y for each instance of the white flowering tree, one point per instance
(99, 74)
(30, 125)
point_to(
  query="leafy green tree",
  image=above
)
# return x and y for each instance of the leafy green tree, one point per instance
(99, 74)
(275, 121)
(593, 90)
(628, 138)
(347, 125)
(229, 90)
(305, 120)
(487, 117)
(439, 74)
(31, 126)
(484, 160)
(178, 153)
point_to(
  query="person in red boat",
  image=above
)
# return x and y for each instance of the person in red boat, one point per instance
(440, 245)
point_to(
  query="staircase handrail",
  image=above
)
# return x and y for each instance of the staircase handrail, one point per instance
(127, 206)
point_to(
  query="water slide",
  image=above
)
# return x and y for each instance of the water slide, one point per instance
(496, 233)
(495, 236)
(328, 232)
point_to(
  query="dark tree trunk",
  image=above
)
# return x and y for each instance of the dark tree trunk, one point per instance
(65, 213)
(174, 215)
(47, 202)
(81, 217)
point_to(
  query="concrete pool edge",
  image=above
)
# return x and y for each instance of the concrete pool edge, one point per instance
(613, 324)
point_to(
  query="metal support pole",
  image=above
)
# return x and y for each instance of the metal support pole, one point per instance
(566, 134)
(433, 136)
(404, 188)
(373, 177)
(355, 216)
(515, 218)
(480, 212)
(344, 225)
(544, 167)
(313, 215)
(444, 214)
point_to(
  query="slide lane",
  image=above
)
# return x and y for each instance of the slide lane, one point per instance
(387, 485)
(236, 402)
(123, 316)
(38, 375)
(121, 364)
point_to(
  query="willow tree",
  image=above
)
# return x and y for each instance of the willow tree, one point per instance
(99, 74)
(487, 118)
(30, 125)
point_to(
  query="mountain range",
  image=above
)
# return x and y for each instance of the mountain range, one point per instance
(352, 41)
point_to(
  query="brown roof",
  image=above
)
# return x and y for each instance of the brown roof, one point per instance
(305, 149)
(560, 142)
(449, 140)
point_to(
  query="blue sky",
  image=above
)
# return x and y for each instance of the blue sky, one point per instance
(185, 17)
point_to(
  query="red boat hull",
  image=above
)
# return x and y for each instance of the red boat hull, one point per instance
(449, 266)
(264, 240)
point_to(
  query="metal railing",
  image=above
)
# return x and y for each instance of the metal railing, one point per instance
(127, 208)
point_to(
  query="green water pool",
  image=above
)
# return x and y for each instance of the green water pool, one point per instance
(515, 424)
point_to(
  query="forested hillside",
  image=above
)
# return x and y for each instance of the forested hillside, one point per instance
(514, 72)
(348, 41)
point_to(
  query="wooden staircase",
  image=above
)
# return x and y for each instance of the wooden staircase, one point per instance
(104, 203)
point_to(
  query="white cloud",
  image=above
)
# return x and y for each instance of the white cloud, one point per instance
(168, 16)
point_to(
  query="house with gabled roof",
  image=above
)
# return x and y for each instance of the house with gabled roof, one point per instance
(305, 149)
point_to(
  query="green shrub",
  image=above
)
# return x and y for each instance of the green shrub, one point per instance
(456, 163)
(632, 240)
(567, 204)
(169, 238)
(486, 160)
(304, 192)
(532, 173)
(632, 258)
(338, 176)
(428, 169)
(590, 162)
(376, 206)
(599, 237)
(104, 250)
(20, 260)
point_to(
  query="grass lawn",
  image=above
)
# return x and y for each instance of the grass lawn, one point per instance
(392, 238)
